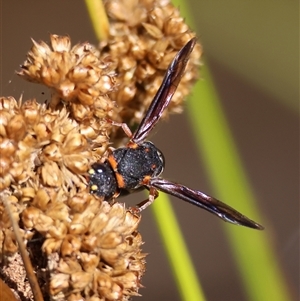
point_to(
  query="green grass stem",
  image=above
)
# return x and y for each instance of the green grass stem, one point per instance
(176, 250)
(252, 249)
(98, 18)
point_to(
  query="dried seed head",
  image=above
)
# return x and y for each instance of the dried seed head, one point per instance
(144, 38)
(42, 175)
(90, 248)
(96, 261)
(46, 147)
(77, 76)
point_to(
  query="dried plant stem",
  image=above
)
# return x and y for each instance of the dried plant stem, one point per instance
(5, 292)
(27, 263)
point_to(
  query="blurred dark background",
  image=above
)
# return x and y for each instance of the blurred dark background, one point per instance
(253, 52)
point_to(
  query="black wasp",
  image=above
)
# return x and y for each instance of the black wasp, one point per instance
(140, 163)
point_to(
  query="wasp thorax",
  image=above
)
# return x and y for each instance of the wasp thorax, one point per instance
(137, 164)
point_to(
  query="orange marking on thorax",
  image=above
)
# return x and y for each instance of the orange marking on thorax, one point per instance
(114, 164)
(146, 180)
(120, 180)
(112, 161)
(133, 145)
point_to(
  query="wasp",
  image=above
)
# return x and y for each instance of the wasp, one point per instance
(140, 163)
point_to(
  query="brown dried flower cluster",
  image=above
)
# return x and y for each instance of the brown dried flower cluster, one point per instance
(89, 248)
(78, 77)
(82, 247)
(144, 37)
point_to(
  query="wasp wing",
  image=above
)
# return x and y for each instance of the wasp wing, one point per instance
(204, 201)
(165, 92)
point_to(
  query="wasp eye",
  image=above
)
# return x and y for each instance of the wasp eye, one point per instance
(159, 167)
(161, 157)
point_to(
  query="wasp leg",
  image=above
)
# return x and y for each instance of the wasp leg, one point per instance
(124, 127)
(153, 194)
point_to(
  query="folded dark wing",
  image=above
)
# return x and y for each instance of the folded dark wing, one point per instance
(204, 201)
(165, 92)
